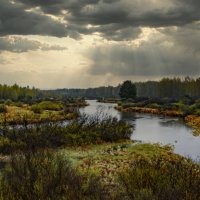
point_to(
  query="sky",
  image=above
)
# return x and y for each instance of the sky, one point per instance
(90, 43)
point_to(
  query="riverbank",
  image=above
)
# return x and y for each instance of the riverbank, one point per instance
(193, 120)
(39, 112)
(154, 111)
(108, 100)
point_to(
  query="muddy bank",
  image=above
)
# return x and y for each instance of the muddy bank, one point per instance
(155, 111)
(192, 120)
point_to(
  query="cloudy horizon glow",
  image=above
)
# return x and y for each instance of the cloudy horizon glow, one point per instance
(89, 43)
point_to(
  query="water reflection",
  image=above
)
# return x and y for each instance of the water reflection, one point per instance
(155, 129)
(173, 123)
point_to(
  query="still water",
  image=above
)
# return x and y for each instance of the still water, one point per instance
(154, 129)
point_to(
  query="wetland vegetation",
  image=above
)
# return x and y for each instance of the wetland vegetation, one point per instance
(91, 156)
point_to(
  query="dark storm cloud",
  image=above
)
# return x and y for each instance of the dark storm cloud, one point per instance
(19, 45)
(187, 37)
(15, 20)
(126, 14)
(152, 58)
(113, 19)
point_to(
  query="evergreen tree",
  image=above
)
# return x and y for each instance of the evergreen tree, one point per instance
(127, 90)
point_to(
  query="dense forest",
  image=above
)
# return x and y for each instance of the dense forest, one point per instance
(91, 93)
(171, 88)
(165, 88)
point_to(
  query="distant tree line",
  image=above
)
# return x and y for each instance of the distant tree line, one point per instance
(17, 93)
(91, 93)
(170, 88)
(165, 88)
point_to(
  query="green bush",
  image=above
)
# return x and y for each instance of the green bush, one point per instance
(47, 176)
(84, 130)
(36, 109)
(3, 108)
(197, 112)
(48, 105)
(8, 102)
(161, 179)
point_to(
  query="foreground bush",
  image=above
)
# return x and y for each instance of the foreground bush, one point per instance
(46, 176)
(161, 179)
(49, 175)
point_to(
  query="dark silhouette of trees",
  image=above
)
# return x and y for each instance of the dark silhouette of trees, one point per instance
(128, 90)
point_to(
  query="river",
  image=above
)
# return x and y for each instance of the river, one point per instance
(154, 129)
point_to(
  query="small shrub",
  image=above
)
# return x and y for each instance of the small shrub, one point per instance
(8, 102)
(2, 101)
(36, 109)
(3, 108)
(48, 105)
(197, 112)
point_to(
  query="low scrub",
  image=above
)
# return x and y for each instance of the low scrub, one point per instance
(82, 131)
(47, 176)
(161, 179)
(3, 108)
(46, 105)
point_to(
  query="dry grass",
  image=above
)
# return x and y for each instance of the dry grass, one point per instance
(194, 122)
(16, 115)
